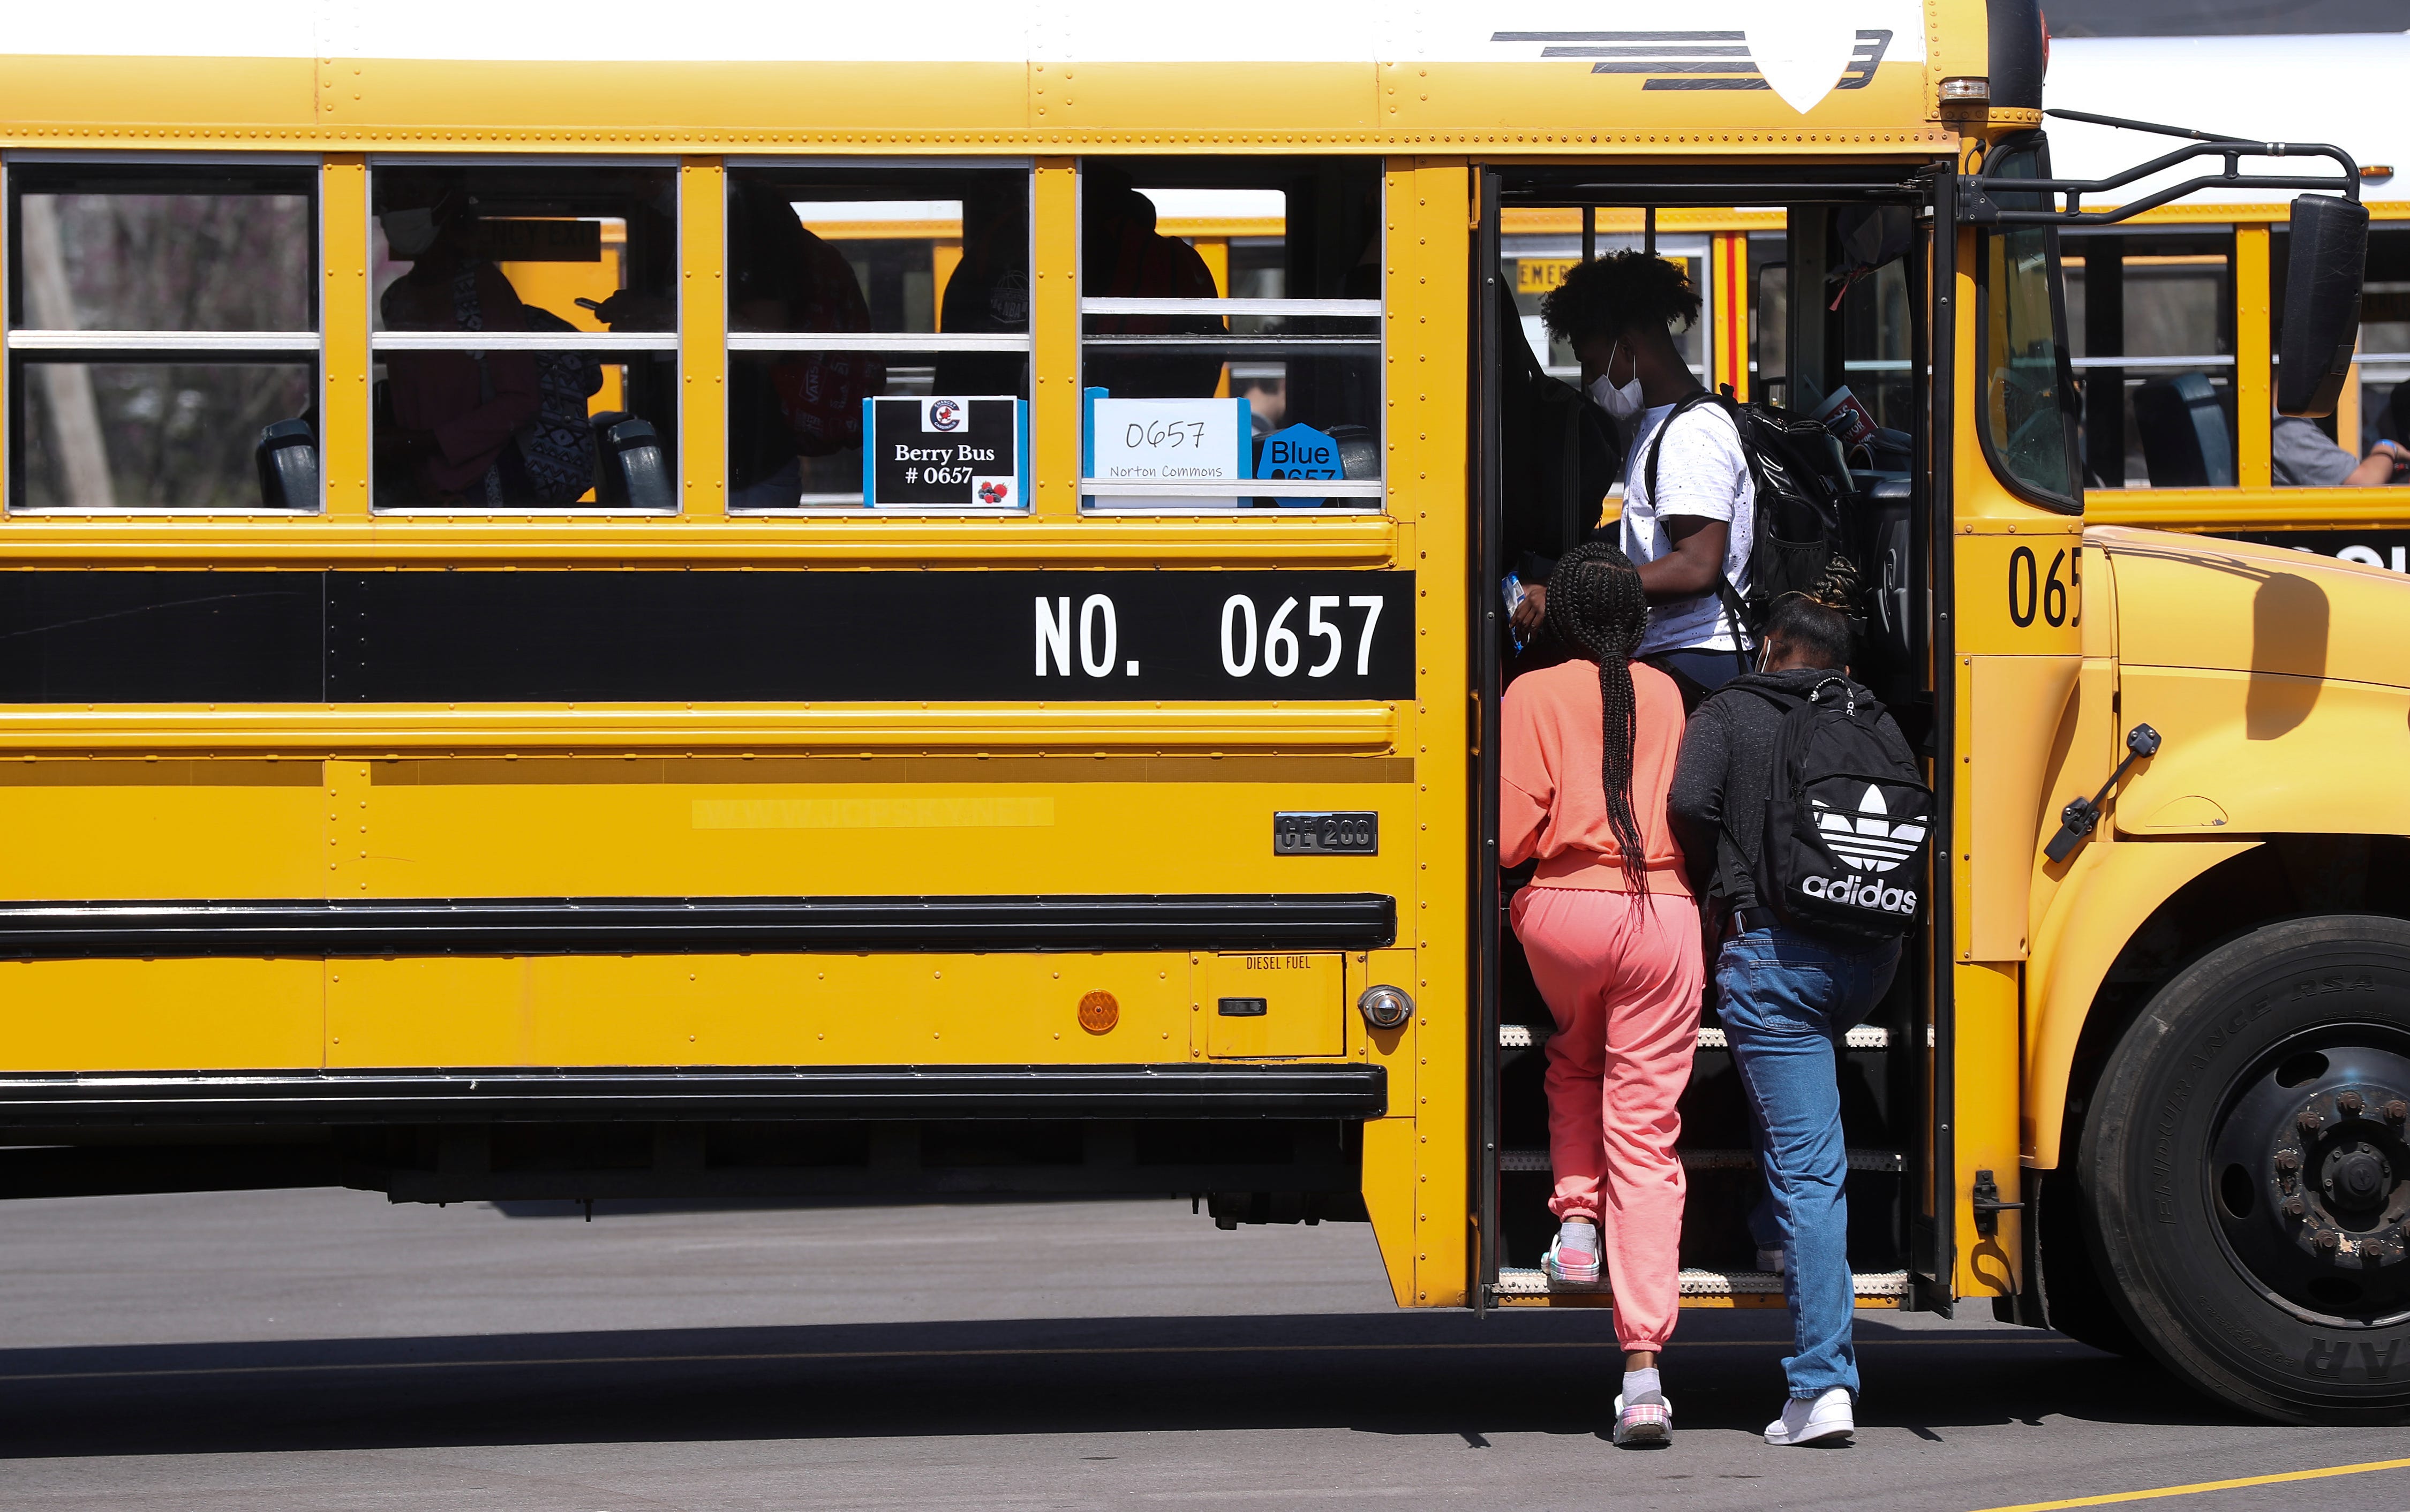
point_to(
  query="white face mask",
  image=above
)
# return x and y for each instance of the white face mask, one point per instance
(408, 233)
(1623, 402)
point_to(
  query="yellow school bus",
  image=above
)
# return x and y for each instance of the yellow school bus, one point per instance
(833, 604)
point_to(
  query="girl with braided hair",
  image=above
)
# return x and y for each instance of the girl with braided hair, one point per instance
(1612, 936)
(1787, 996)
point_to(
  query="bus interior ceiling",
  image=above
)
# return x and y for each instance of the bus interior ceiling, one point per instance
(1852, 325)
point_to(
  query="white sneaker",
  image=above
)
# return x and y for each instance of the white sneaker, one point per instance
(1574, 1266)
(1770, 1261)
(1826, 1420)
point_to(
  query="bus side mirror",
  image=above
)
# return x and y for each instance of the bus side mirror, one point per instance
(2329, 257)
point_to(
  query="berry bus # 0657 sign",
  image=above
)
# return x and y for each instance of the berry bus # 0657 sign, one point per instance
(946, 453)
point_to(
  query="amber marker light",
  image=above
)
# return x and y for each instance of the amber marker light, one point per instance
(1100, 1012)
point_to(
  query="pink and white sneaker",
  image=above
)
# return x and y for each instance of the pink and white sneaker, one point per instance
(1644, 1424)
(1562, 1262)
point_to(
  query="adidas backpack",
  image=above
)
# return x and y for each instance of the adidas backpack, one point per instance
(1797, 518)
(1849, 826)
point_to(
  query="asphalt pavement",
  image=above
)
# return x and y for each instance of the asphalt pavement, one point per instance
(324, 1350)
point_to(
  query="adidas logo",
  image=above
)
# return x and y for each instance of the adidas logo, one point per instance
(1860, 894)
(1867, 840)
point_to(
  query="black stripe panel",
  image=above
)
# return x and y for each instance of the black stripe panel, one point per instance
(518, 1094)
(617, 926)
(702, 635)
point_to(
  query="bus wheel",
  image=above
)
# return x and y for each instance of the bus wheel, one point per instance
(2247, 1169)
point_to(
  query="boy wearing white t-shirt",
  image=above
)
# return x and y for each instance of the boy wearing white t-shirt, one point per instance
(1619, 314)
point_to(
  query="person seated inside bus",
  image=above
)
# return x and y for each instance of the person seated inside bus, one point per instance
(1122, 257)
(448, 433)
(1690, 538)
(800, 407)
(2304, 458)
(1612, 936)
(988, 292)
(1786, 997)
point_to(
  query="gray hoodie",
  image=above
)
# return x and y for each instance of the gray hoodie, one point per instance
(1723, 777)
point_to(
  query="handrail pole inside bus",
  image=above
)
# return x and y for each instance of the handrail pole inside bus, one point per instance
(1589, 232)
(1489, 521)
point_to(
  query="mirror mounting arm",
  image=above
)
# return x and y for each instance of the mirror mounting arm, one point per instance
(1977, 206)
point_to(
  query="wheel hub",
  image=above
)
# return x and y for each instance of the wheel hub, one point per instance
(2342, 1171)
(2313, 1179)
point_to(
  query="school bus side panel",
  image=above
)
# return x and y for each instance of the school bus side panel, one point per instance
(1416, 1159)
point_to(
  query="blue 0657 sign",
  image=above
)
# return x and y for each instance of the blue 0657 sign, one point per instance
(1300, 452)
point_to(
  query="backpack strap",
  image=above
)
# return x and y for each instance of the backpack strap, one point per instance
(1682, 406)
(1725, 593)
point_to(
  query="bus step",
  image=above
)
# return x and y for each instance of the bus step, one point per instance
(1709, 1289)
(1892, 1161)
(1526, 1036)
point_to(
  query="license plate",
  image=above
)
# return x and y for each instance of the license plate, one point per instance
(1327, 834)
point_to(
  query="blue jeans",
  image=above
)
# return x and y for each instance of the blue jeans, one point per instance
(1786, 1000)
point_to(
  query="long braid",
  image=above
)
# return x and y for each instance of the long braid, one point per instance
(1596, 602)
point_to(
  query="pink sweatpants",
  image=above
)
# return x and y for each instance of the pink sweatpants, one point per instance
(1622, 973)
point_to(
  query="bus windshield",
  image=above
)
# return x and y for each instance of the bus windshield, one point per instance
(2027, 415)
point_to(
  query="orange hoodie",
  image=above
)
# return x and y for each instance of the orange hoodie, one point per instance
(1552, 801)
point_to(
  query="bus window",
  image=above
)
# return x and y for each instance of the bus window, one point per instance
(2150, 317)
(2027, 412)
(848, 283)
(1769, 316)
(1856, 340)
(1537, 245)
(2384, 402)
(524, 331)
(161, 318)
(1230, 325)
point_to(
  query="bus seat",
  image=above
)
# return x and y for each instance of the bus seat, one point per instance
(1885, 573)
(634, 472)
(1360, 454)
(287, 459)
(2185, 444)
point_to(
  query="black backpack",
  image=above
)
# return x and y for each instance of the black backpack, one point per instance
(1798, 523)
(1849, 826)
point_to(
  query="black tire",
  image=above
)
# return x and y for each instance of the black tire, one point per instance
(2282, 1288)
(2075, 1298)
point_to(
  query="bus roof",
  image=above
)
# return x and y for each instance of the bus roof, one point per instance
(1534, 75)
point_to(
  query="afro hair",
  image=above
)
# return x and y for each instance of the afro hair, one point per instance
(1615, 293)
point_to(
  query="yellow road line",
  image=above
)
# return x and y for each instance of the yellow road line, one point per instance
(859, 1355)
(2200, 1485)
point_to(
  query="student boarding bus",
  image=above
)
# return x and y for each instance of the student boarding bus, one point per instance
(846, 606)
